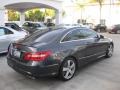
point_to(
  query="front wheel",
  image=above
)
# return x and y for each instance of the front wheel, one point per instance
(67, 69)
(109, 51)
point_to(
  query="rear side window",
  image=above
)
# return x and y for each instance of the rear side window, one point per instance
(27, 24)
(73, 35)
(15, 27)
(2, 32)
(7, 31)
(37, 25)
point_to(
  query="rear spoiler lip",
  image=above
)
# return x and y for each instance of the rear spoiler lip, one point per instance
(32, 48)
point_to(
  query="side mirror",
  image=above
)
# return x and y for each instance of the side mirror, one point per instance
(101, 37)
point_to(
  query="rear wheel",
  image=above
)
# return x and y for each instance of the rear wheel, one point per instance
(109, 51)
(67, 69)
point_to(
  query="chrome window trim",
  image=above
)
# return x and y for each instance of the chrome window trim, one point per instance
(72, 40)
(77, 40)
(65, 36)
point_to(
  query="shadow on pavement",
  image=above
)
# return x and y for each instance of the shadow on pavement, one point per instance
(3, 54)
(92, 63)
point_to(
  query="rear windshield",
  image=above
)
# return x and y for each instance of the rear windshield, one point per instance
(44, 36)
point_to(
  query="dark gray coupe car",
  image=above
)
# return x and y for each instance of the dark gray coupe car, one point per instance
(58, 52)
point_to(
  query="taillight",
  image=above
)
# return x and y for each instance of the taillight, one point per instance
(37, 56)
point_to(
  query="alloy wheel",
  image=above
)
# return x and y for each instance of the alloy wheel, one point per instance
(110, 50)
(68, 70)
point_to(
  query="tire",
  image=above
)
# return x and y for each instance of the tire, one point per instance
(109, 51)
(67, 69)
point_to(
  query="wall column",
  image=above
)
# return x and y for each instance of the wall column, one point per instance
(2, 17)
(22, 18)
(58, 17)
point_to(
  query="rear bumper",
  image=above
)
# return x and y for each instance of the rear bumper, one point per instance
(36, 70)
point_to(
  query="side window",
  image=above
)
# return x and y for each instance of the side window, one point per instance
(13, 27)
(31, 25)
(86, 33)
(80, 34)
(2, 32)
(26, 24)
(7, 31)
(73, 35)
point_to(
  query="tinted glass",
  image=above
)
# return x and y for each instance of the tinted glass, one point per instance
(28, 24)
(47, 37)
(25, 24)
(86, 33)
(16, 27)
(7, 31)
(37, 25)
(80, 34)
(73, 35)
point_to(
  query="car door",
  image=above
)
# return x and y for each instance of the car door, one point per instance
(75, 45)
(4, 40)
(95, 45)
